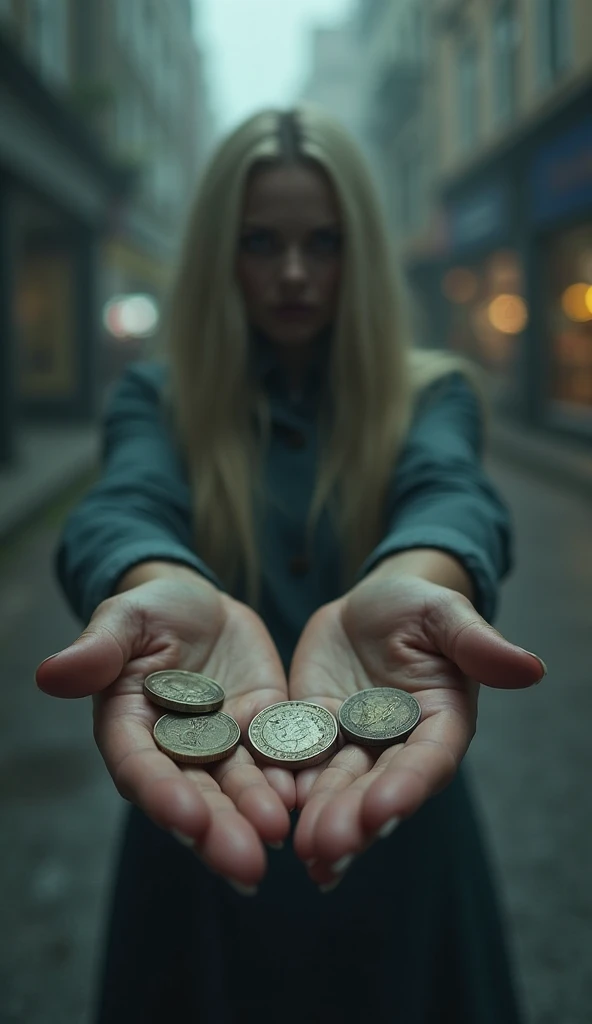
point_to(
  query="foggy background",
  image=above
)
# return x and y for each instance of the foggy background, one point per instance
(476, 118)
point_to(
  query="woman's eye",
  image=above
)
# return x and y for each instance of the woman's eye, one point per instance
(259, 243)
(326, 243)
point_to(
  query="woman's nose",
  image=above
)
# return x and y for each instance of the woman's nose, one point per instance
(294, 266)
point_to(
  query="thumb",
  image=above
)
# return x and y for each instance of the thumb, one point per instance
(94, 660)
(479, 650)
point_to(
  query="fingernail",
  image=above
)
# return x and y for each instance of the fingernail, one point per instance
(276, 846)
(540, 661)
(388, 827)
(329, 886)
(340, 866)
(183, 839)
(241, 889)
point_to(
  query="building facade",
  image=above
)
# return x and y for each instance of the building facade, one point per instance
(515, 166)
(103, 126)
(478, 113)
(395, 59)
(334, 75)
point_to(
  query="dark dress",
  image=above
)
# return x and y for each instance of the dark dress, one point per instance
(412, 934)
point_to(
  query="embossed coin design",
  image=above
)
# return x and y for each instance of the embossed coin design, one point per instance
(198, 739)
(379, 716)
(294, 734)
(183, 691)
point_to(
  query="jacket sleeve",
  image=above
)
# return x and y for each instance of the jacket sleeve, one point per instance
(140, 508)
(440, 496)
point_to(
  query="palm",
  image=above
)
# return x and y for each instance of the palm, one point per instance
(231, 807)
(392, 634)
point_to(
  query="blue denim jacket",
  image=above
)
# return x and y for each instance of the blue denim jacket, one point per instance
(140, 508)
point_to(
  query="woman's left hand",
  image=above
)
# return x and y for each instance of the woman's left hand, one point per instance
(411, 634)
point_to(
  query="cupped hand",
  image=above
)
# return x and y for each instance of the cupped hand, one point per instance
(230, 809)
(411, 634)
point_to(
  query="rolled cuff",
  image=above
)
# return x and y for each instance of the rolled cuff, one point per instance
(453, 542)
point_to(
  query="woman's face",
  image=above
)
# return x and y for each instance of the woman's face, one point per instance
(289, 258)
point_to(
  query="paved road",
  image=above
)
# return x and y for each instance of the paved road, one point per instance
(531, 762)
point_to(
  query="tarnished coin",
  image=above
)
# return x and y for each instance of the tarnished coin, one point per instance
(198, 739)
(294, 734)
(379, 716)
(184, 691)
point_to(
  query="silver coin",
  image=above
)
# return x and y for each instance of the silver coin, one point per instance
(379, 716)
(294, 734)
(183, 691)
(198, 739)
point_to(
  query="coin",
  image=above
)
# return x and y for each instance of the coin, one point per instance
(197, 739)
(379, 716)
(184, 691)
(294, 734)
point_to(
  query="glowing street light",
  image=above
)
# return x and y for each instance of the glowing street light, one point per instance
(131, 316)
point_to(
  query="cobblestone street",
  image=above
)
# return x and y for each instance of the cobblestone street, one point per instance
(531, 765)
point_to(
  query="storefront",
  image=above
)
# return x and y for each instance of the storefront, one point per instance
(56, 190)
(560, 186)
(482, 283)
(129, 269)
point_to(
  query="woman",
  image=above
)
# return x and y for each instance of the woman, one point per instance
(293, 504)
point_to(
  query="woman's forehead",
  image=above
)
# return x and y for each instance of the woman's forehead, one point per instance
(281, 193)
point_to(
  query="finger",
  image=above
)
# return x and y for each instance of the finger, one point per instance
(347, 766)
(230, 846)
(283, 782)
(305, 781)
(425, 765)
(244, 783)
(94, 660)
(144, 775)
(340, 831)
(182, 801)
(477, 648)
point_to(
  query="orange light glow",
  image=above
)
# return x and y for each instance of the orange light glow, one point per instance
(508, 313)
(459, 285)
(576, 304)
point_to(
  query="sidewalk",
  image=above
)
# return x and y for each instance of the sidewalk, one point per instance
(553, 460)
(51, 459)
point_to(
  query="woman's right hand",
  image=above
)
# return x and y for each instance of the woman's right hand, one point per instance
(230, 809)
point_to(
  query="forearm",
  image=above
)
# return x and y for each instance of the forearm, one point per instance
(429, 564)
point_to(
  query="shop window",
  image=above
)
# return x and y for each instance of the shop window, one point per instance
(468, 93)
(488, 314)
(506, 40)
(554, 30)
(45, 312)
(569, 322)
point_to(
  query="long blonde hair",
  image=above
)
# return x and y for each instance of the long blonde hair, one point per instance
(373, 377)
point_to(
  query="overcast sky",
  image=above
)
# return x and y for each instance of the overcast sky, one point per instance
(257, 50)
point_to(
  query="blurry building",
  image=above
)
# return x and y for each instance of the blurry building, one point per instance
(496, 228)
(333, 80)
(56, 190)
(394, 45)
(103, 127)
(137, 81)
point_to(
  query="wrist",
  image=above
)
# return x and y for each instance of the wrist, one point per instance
(146, 572)
(429, 564)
